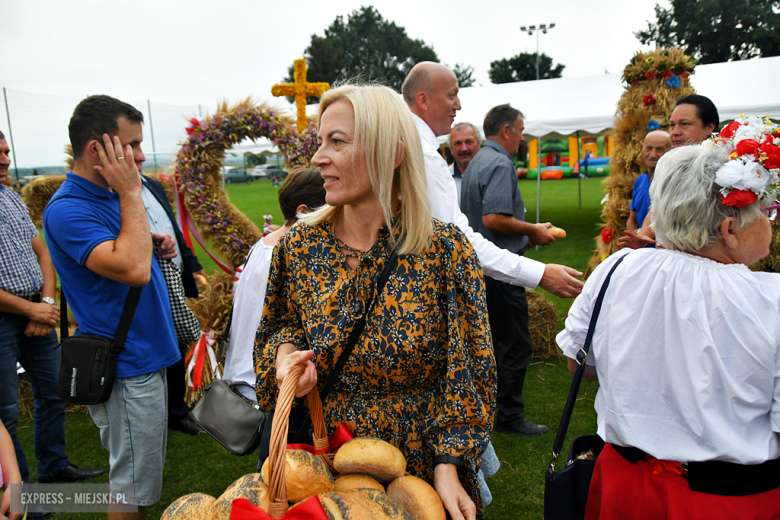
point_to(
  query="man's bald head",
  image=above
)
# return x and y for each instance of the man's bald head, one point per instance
(656, 144)
(431, 91)
(419, 79)
(659, 134)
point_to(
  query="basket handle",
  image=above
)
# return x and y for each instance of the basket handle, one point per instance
(277, 491)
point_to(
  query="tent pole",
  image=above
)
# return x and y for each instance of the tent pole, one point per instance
(539, 182)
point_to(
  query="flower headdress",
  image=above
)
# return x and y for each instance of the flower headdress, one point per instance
(753, 169)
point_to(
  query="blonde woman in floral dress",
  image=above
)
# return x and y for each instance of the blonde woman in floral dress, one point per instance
(422, 375)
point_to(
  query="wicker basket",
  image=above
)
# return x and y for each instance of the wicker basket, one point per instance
(277, 492)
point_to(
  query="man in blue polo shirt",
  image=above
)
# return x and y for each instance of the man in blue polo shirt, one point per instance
(656, 144)
(101, 245)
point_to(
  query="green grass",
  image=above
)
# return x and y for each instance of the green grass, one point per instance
(560, 205)
(201, 465)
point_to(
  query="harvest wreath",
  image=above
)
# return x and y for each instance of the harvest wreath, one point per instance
(200, 159)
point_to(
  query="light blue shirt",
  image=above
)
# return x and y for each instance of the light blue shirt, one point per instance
(159, 221)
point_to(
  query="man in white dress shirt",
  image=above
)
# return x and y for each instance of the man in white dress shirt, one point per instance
(431, 91)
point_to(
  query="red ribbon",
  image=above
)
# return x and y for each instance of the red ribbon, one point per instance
(197, 371)
(311, 509)
(187, 226)
(179, 208)
(336, 440)
(669, 465)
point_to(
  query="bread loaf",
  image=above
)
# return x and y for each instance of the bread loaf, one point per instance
(347, 483)
(195, 506)
(250, 487)
(557, 232)
(418, 498)
(305, 475)
(370, 456)
(381, 506)
(344, 506)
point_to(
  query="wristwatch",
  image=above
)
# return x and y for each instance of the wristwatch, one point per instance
(448, 459)
(49, 300)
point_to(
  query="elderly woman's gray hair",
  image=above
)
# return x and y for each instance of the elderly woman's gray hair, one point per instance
(686, 204)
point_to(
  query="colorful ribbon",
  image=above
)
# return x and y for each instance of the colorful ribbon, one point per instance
(311, 509)
(337, 439)
(197, 358)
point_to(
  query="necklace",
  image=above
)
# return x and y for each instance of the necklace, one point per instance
(351, 251)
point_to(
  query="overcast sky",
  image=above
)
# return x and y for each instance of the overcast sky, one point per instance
(199, 52)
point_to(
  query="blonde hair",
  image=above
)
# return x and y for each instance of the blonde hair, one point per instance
(382, 122)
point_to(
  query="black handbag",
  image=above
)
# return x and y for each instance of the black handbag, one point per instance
(233, 420)
(300, 420)
(566, 491)
(224, 413)
(88, 365)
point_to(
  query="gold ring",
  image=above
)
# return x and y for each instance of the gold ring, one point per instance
(121, 158)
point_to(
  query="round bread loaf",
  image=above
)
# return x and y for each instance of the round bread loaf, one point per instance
(305, 475)
(381, 506)
(370, 456)
(557, 232)
(250, 479)
(250, 487)
(418, 498)
(195, 506)
(346, 483)
(344, 506)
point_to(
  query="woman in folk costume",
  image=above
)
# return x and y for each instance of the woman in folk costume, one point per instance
(689, 365)
(422, 375)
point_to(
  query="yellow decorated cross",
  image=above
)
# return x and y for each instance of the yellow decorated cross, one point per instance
(300, 90)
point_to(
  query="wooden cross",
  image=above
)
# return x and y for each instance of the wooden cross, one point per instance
(300, 90)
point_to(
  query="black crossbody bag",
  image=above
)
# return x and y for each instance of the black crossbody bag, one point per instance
(88, 366)
(566, 491)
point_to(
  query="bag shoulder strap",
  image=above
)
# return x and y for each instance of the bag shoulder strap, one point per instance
(127, 318)
(577, 380)
(359, 326)
(124, 322)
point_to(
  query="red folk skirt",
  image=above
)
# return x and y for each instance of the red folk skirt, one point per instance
(656, 490)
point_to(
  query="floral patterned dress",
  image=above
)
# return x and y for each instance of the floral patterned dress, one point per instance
(422, 375)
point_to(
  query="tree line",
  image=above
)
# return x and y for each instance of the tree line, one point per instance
(368, 47)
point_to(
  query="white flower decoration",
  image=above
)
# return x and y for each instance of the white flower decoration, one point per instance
(730, 175)
(754, 177)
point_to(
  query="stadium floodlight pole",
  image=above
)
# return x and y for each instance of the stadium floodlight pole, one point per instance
(530, 30)
(543, 28)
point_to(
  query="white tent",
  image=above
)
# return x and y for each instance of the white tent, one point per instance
(561, 107)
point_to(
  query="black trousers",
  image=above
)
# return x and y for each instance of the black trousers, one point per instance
(508, 315)
(177, 385)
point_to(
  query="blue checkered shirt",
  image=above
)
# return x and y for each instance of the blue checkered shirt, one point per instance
(20, 273)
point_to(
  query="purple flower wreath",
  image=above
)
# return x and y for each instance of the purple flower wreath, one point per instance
(201, 155)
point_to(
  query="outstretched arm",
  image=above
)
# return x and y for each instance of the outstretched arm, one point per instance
(559, 280)
(496, 262)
